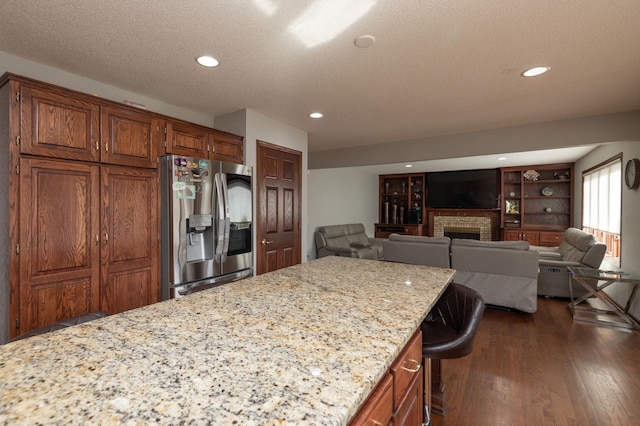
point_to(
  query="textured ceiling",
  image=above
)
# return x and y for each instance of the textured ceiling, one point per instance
(438, 67)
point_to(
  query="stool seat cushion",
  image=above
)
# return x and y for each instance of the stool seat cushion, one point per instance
(450, 327)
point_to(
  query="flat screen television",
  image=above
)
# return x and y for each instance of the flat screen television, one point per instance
(463, 189)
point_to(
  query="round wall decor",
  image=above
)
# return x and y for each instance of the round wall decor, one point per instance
(632, 173)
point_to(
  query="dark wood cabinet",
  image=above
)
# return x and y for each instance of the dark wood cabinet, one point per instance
(60, 241)
(130, 239)
(129, 138)
(227, 147)
(187, 139)
(400, 204)
(83, 199)
(192, 140)
(398, 398)
(54, 124)
(537, 203)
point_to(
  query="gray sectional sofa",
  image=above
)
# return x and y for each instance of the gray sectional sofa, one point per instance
(505, 273)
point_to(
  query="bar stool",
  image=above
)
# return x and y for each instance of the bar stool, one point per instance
(448, 332)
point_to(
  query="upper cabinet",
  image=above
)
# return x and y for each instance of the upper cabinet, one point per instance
(61, 123)
(129, 138)
(54, 124)
(227, 147)
(192, 140)
(187, 139)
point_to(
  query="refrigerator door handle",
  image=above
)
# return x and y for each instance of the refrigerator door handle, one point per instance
(220, 229)
(227, 217)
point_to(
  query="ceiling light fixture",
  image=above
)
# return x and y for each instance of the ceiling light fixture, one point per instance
(408, 165)
(502, 158)
(207, 61)
(364, 41)
(535, 71)
(316, 115)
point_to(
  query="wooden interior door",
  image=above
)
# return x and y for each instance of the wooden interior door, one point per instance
(130, 239)
(59, 239)
(278, 186)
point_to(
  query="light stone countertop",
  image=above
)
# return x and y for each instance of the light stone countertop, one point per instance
(302, 345)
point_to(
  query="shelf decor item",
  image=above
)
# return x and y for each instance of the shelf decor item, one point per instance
(512, 207)
(531, 175)
(547, 192)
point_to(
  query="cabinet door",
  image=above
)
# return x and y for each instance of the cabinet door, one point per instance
(129, 138)
(411, 410)
(59, 242)
(378, 408)
(551, 239)
(187, 139)
(227, 147)
(130, 229)
(56, 125)
(529, 236)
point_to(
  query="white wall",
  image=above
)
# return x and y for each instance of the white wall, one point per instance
(340, 196)
(255, 126)
(630, 227)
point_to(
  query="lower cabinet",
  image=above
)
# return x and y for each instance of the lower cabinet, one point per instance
(398, 397)
(88, 240)
(533, 237)
(383, 230)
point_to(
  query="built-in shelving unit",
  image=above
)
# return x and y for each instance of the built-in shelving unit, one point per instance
(401, 204)
(537, 202)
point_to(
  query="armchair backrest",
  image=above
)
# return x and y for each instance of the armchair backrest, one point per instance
(580, 246)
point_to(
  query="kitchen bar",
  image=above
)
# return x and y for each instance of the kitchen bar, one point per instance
(302, 345)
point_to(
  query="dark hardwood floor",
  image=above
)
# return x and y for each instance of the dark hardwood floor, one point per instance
(544, 369)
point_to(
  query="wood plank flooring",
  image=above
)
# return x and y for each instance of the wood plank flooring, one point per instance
(544, 369)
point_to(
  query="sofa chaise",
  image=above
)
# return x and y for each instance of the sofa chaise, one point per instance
(503, 272)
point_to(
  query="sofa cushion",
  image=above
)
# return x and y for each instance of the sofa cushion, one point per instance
(420, 239)
(511, 245)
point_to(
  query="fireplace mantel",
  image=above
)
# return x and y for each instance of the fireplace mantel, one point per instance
(492, 214)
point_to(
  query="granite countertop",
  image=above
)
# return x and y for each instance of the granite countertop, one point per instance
(302, 345)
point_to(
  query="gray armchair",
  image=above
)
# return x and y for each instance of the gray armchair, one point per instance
(347, 240)
(579, 249)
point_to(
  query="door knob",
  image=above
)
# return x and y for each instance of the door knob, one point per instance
(265, 241)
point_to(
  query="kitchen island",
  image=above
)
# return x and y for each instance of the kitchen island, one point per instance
(302, 345)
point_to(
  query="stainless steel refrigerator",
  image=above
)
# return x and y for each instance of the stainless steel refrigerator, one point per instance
(206, 224)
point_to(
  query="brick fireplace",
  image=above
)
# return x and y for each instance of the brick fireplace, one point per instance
(480, 224)
(474, 227)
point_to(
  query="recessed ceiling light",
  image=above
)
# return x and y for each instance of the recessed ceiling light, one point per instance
(316, 115)
(365, 41)
(207, 61)
(532, 72)
(502, 158)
